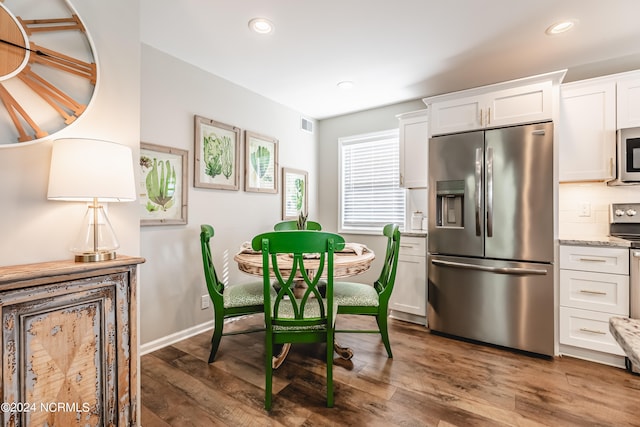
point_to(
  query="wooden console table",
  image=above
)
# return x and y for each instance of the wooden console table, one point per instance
(69, 343)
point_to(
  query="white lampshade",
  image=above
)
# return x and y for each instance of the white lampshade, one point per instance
(84, 169)
(95, 171)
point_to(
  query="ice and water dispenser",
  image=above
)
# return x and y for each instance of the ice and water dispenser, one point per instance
(450, 204)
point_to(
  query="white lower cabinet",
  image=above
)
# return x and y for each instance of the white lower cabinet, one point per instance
(594, 286)
(409, 297)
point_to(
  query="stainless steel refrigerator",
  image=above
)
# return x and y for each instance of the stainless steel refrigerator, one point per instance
(490, 262)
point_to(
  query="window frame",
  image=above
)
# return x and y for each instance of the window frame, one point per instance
(359, 139)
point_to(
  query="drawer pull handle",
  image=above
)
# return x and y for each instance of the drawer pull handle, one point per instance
(592, 331)
(593, 259)
(587, 291)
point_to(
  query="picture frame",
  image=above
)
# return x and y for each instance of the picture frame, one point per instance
(295, 194)
(162, 189)
(217, 155)
(261, 163)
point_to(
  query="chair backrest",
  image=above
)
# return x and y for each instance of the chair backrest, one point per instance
(293, 225)
(294, 257)
(384, 284)
(214, 286)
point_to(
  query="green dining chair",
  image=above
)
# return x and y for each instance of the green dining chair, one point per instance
(364, 299)
(293, 225)
(228, 300)
(298, 313)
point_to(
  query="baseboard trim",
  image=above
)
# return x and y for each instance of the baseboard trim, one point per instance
(174, 338)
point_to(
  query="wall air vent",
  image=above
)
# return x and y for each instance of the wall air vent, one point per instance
(306, 124)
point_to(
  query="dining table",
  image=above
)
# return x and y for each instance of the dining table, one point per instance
(354, 259)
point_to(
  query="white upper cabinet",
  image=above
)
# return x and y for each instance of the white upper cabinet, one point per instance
(524, 104)
(457, 115)
(519, 101)
(413, 149)
(587, 130)
(629, 101)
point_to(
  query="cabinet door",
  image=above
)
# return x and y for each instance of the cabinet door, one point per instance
(413, 151)
(410, 289)
(456, 115)
(68, 345)
(524, 104)
(629, 102)
(587, 131)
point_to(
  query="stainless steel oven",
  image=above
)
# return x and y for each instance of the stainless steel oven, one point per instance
(625, 224)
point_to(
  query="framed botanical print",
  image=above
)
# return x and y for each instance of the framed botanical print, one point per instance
(261, 163)
(294, 193)
(217, 155)
(162, 189)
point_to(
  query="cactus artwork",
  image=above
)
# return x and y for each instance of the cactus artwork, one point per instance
(160, 184)
(218, 156)
(299, 191)
(260, 161)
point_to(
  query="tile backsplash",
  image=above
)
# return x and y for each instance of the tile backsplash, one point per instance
(416, 201)
(584, 207)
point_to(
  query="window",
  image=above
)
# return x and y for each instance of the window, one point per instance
(370, 193)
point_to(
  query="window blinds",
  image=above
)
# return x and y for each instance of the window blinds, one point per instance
(370, 195)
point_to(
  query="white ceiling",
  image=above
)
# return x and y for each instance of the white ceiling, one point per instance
(393, 50)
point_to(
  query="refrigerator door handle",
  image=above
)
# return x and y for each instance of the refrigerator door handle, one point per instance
(499, 270)
(478, 176)
(489, 192)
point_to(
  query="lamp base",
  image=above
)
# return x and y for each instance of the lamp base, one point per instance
(95, 256)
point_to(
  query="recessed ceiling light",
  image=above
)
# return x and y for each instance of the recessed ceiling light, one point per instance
(261, 25)
(346, 84)
(560, 27)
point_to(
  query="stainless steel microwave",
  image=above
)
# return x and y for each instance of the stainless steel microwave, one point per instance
(628, 157)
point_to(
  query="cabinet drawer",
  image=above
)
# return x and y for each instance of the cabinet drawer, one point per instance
(413, 246)
(603, 292)
(598, 259)
(587, 329)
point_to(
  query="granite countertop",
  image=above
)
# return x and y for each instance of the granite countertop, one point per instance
(595, 241)
(627, 333)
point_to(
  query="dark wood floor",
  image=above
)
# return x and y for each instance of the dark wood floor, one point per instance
(431, 381)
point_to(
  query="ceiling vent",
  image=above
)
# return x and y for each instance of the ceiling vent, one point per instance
(306, 124)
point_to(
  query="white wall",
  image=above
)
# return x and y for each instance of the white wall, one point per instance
(172, 280)
(34, 229)
(378, 119)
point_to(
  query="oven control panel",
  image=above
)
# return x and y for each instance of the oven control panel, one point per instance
(627, 213)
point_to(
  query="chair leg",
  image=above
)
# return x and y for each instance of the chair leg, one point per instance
(268, 371)
(218, 324)
(330, 339)
(381, 318)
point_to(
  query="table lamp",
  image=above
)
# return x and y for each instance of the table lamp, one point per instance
(93, 171)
